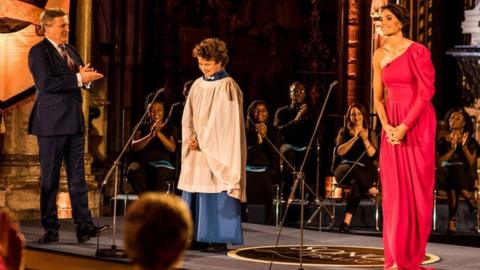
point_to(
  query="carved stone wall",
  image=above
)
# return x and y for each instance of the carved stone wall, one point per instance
(20, 168)
(353, 63)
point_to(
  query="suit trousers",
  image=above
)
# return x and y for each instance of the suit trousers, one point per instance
(53, 150)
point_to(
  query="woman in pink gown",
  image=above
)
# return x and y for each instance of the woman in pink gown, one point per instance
(403, 88)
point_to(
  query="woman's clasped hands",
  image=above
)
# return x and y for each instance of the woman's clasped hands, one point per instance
(395, 135)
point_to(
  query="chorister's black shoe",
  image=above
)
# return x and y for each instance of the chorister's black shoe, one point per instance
(85, 235)
(198, 245)
(48, 237)
(344, 228)
(215, 248)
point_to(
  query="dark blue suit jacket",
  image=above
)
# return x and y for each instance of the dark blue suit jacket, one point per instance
(58, 104)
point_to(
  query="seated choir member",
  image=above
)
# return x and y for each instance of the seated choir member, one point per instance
(356, 147)
(176, 110)
(153, 150)
(263, 162)
(175, 118)
(158, 230)
(295, 122)
(457, 154)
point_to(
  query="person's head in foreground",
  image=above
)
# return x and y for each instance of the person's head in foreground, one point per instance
(158, 229)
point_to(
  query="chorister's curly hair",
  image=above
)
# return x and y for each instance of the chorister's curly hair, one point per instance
(212, 49)
(401, 14)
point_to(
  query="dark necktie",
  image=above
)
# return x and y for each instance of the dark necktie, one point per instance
(71, 65)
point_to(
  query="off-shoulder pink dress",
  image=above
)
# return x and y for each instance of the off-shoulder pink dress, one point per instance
(407, 170)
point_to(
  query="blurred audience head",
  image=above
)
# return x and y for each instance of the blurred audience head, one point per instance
(158, 230)
(12, 242)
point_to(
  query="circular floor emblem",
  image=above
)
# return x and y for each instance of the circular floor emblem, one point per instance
(341, 256)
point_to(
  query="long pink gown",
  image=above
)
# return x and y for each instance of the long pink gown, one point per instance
(407, 170)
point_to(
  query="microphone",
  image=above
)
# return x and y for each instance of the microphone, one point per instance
(160, 90)
(333, 84)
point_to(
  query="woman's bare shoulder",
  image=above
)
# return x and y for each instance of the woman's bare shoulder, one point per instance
(378, 55)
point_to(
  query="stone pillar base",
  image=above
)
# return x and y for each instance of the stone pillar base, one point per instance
(20, 188)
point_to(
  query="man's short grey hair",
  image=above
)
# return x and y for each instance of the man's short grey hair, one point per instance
(49, 14)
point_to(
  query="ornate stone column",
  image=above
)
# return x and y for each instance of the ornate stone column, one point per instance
(353, 54)
(19, 165)
(20, 168)
(84, 45)
(83, 37)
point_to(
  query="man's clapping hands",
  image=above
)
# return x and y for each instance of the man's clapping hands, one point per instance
(89, 74)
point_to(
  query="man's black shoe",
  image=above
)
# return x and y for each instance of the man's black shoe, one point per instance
(85, 235)
(48, 237)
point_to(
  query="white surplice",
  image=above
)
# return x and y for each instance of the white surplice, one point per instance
(214, 114)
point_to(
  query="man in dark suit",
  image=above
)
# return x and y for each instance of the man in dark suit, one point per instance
(57, 121)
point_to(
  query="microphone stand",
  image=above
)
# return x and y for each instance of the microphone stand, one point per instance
(289, 165)
(113, 251)
(300, 180)
(319, 208)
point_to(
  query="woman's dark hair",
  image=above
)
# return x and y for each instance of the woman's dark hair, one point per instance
(346, 120)
(401, 14)
(250, 110)
(150, 98)
(468, 127)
